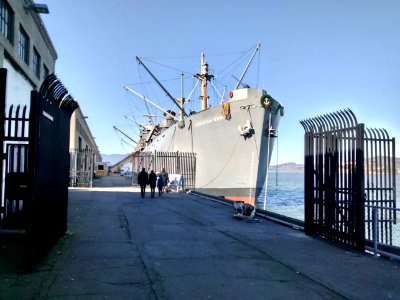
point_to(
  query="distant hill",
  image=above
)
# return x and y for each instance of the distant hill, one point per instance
(293, 167)
(113, 158)
(398, 165)
(287, 167)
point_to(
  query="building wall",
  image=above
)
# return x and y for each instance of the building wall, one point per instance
(22, 77)
(80, 135)
(18, 87)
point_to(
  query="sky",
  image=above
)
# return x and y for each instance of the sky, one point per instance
(316, 57)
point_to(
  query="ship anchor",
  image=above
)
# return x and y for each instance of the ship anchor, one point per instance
(246, 130)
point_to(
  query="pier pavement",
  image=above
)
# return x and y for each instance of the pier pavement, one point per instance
(178, 246)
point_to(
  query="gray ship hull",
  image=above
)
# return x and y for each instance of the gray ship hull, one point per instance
(229, 163)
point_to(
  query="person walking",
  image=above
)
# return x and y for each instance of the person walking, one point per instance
(143, 179)
(152, 183)
(160, 185)
(165, 179)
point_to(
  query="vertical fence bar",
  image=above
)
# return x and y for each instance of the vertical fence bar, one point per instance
(375, 229)
(380, 185)
(35, 108)
(308, 187)
(367, 183)
(3, 86)
(393, 173)
(360, 204)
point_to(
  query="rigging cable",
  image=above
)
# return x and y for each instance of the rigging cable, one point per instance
(256, 146)
(142, 87)
(267, 173)
(120, 141)
(175, 79)
(242, 54)
(168, 67)
(195, 83)
(233, 66)
(216, 93)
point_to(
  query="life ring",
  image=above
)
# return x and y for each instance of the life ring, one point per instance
(230, 94)
(266, 104)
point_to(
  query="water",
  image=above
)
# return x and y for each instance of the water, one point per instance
(285, 196)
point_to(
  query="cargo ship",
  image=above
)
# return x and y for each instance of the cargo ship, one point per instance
(233, 141)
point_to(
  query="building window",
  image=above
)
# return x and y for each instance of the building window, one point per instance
(45, 71)
(23, 45)
(6, 20)
(36, 63)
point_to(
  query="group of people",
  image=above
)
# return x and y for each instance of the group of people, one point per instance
(153, 180)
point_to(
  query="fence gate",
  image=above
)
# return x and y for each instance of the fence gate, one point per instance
(49, 126)
(174, 163)
(349, 173)
(81, 168)
(334, 178)
(36, 162)
(380, 190)
(14, 142)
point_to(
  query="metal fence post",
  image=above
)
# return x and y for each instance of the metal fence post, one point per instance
(3, 86)
(92, 170)
(360, 188)
(375, 229)
(394, 179)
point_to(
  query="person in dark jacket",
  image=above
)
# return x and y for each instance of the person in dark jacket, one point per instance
(152, 183)
(160, 185)
(164, 176)
(143, 179)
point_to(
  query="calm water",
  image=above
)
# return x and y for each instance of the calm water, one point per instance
(285, 194)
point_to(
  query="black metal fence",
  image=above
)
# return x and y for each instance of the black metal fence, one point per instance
(15, 141)
(174, 163)
(380, 189)
(347, 169)
(36, 162)
(81, 167)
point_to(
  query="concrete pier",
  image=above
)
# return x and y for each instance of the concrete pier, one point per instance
(178, 246)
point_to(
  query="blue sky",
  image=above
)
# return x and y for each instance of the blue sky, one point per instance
(316, 56)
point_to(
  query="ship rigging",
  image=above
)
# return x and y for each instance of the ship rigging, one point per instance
(203, 79)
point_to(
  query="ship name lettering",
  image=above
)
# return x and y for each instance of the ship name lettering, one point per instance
(208, 121)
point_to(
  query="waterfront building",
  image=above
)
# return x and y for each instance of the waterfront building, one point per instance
(26, 50)
(28, 54)
(81, 138)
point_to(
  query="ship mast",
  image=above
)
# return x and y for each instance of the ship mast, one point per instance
(116, 129)
(161, 86)
(247, 67)
(151, 103)
(204, 77)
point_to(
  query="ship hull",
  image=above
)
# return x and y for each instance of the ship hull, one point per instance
(229, 163)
